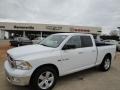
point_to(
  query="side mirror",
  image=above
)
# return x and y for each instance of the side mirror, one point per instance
(68, 47)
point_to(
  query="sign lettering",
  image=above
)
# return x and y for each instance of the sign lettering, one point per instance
(79, 30)
(54, 27)
(2, 26)
(23, 27)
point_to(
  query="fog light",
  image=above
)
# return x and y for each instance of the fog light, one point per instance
(15, 79)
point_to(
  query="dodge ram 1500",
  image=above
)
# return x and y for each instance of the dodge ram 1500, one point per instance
(59, 54)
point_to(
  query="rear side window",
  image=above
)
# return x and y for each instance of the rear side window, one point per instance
(86, 41)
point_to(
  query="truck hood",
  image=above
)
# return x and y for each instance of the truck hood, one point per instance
(28, 50)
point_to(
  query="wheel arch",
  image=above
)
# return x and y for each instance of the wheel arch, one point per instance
(45, 65)
(108, 55)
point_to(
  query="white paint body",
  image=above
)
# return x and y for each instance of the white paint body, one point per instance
(117, 43)
(72, 60)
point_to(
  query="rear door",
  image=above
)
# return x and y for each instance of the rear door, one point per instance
(88, 51)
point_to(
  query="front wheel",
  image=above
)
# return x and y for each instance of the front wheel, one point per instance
(106, 64)
(44, 79)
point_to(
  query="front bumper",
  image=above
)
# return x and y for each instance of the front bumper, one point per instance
(16, 77)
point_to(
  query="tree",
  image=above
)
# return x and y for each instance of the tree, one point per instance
(114, 33)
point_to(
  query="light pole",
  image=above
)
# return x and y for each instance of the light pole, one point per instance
(119, 32)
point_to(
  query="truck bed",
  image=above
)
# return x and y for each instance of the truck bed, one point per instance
(101, 44)
(103, 49)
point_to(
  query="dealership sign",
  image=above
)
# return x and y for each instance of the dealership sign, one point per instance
(2, 26)
(79, 30)
(54, 27)
(23, 27)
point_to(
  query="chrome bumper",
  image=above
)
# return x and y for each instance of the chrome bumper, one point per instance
(14, 79)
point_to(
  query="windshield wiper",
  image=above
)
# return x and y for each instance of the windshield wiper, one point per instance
(43, 45)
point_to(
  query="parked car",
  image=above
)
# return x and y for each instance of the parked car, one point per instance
(118, 46)
(20, 41)
(37, 40)
(59, 54)
(117, 43)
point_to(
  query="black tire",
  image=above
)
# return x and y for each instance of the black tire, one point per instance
(18, 45)
(117, 49)
(35, 78)
(102, 65)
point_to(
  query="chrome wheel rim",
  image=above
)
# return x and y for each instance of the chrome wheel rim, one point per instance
(45, 80)
(107, 64)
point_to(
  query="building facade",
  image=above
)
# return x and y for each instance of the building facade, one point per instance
(33, 30)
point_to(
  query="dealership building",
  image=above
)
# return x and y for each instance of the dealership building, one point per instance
(32, 30)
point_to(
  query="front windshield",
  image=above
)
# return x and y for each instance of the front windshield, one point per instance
(53, 40)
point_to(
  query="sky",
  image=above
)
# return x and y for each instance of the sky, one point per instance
(101, 13)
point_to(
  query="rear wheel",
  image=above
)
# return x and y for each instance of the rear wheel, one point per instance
(106, 64)
(44, 79)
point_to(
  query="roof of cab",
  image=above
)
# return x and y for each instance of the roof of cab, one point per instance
(71, 34)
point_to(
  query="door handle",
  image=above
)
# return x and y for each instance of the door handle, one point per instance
(93, 50)
(80, 52)
(66, 59)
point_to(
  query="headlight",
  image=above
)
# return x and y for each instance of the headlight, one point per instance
(23, 65)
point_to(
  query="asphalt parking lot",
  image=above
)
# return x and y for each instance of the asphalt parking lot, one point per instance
(91, 79)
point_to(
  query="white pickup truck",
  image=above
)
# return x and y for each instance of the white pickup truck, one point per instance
(59, 54)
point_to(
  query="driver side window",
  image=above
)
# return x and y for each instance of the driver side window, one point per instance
(74, 40)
